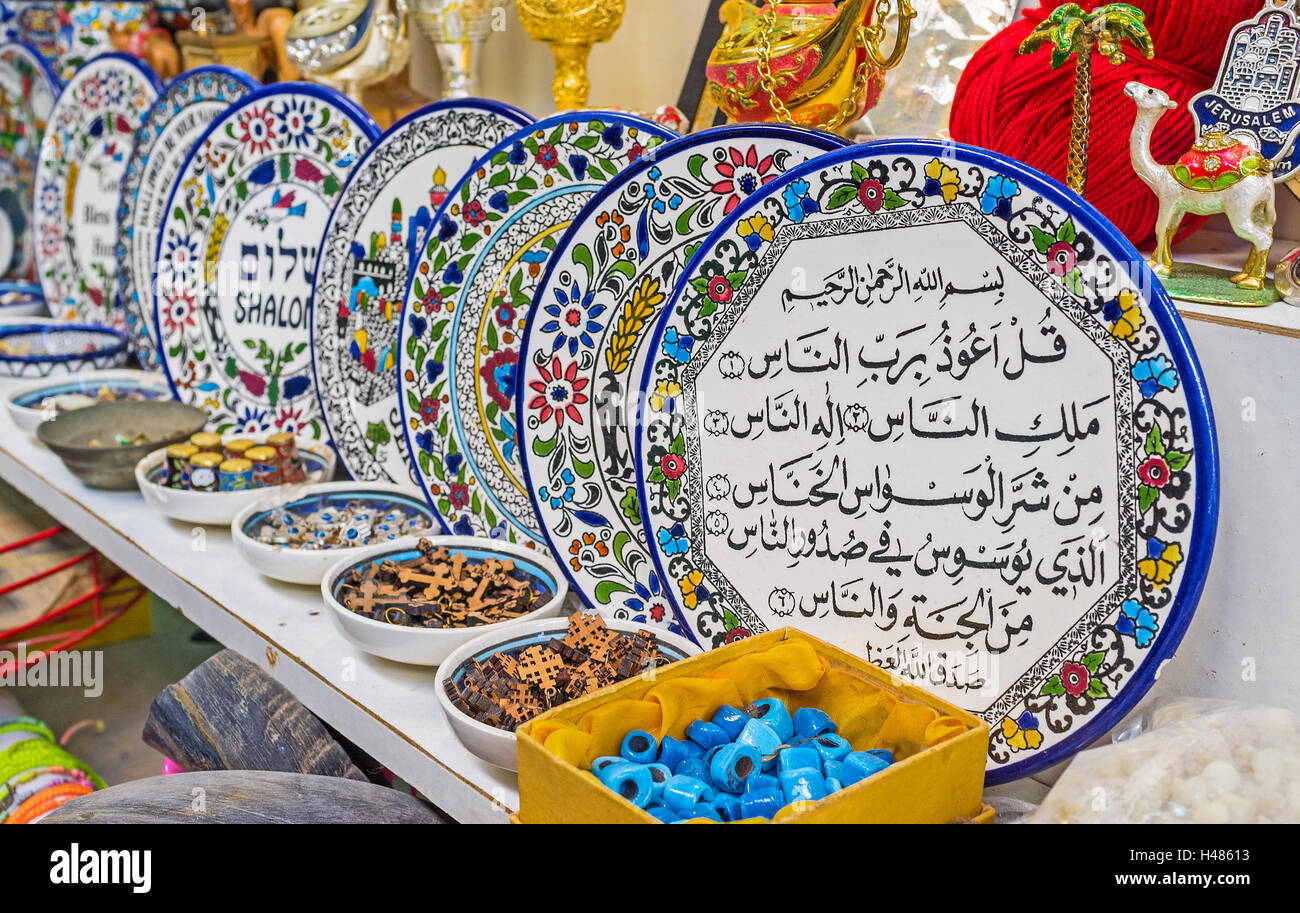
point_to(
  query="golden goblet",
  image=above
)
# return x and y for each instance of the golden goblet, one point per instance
(571, 27)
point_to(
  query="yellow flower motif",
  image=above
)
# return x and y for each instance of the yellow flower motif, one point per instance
(757, 226)
(1130, 318)
(946, 177)
(1159, 569)
(689, 586)
(1020, 739)
(341, 141)
(664, 394)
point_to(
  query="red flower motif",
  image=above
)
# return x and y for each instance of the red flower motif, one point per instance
(1061, 258)
(547, 157)
(254, 383)
(304, 170)
(871, 193)
(458, 494)
(673, 465)
(635, 153)
(742, 175)
(1154, 472)
(720, 289)
(475, 214)
(429, 408)
(558, 393)
(1074, 678)
(736, 634)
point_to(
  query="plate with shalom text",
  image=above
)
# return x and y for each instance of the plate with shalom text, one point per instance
(380, 220)
(83, 155)
(237, 255)
(188, 104)
(935, 409)
(27, 91)
(578, 384)
(470, 293)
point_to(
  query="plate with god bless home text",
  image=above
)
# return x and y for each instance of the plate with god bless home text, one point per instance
(237, 255)
(84, 152)
(929, 405)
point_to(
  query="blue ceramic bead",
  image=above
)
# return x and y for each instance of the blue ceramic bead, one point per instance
(761, 736)
(831, 746)
(662, 813)
(773, 712)
(727, 806)
(797, 758)
(692, 767)
(706, 735)
(711, 754)
(759, 781)
(702, 810)
(659, 775)
(682, 794)
(639, 747)
(831, 768)
(833, 785)
(803, 785)
(858, 765)
(731, 720)
(631, 781)
(733, 765)
(809, 722)
(762, 803)
(671, 752)
(883, 753)
(604, 761)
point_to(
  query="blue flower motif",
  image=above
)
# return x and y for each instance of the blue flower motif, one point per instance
(296, 386)
(417, 324)
(1154, 373)
(1137, 622)
(446, 229)
(674, 541)
(517, 154)
(433, 370)
(557, 494)
(453, 462)
(1155, 548)
(424, 440)
(463, 527)
(678, 347)
(453, 275)
(498, 531)
(1027, 720)
(1112, 311)
(997, 196)
(579, 165)
(499, 201)
(798, 204)
(508, 429)
(263, 173)
(573, 319)
(613, 135)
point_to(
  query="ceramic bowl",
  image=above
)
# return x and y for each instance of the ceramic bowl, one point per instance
(39, 347)
(164, 422)
(25, 402)
(22, 299)
(299, 565)
(430, 646)
(218, 508)
(497, 746)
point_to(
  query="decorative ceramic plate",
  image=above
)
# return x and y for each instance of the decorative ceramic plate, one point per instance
(237, 255)
(381, 218)
(39, 348)
(177, 119)
(27, 91)
(83, 155)
(470, 292)
(626, 250)
(935, 409)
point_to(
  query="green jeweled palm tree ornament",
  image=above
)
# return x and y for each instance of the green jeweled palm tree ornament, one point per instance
(1074, 33)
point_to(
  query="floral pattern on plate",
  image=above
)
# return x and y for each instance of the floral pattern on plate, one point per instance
(238, 252)
(577, 393)
(467, 304)
(380, 220)
(27, 92)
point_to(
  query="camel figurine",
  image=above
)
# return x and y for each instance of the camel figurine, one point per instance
(1220, 174)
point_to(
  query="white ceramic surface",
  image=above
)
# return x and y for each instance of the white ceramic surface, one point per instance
(27, 418)
(297, 565)
(217, 508)
(431, 646)
(497, 746)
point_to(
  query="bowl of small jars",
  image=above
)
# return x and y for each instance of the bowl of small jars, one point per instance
(209, 478)
(297, 537)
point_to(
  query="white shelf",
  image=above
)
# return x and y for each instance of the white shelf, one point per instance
(386, 708)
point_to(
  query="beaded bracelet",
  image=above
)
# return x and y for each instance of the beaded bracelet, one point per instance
(34, 753)
(26, 724)
(46, 801)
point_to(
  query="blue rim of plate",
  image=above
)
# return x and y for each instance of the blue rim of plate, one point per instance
(360, 117)
(542, 581)
(482, 104)
(117, 386)
(1201, 418)
(117, 347)
(588, 213)
(378, 499)
(311, 462)
(211, 69)
(546, 123)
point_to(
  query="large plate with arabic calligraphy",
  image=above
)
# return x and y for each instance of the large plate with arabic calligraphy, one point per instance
(188, 104)
(83, 155)
(469, 298)
(936, 410)
(238, 249)
(27, 92)
(627, 249)
(380, 220)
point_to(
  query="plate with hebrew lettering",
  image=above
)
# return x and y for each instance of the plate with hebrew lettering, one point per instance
(469, 297)
(627, 249)
(927, 404)
(381, 219)
(84, 152)
(237, 255)
(27, 91)
(188, 104)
